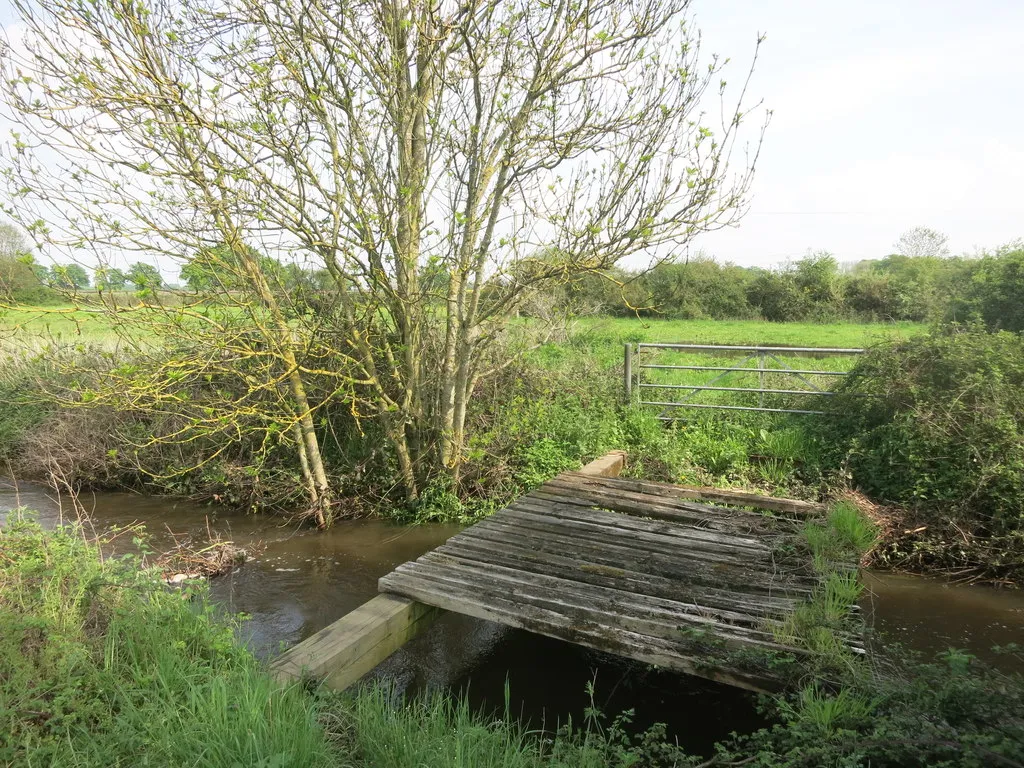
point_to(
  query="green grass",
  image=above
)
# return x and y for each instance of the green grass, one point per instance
(750, 332)
(30, 326)
(602, 339)
(846, 535)
(437, 730)
(823, 623)
(101, 664)
(68, 322)
(828, 713)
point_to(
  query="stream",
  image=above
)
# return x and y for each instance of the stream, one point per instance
(301, 580)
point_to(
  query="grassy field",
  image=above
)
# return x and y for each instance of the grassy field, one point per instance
(600, 338)
(70, 323)
(603, 339)
(751, 331)
(32, 325)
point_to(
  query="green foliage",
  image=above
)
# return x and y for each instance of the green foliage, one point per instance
(69, 277)
(540, 460)
(21, 412)
(845, 536)
(950, 714)
(830, 715)
(102, 664)
(438, 731)
(110, 279)
(937, 423)
(938, 418)
(994, 292)
(22, 280)
(145, 277)
(922, 287)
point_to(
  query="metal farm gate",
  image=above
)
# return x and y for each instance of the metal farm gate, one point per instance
(662, 376)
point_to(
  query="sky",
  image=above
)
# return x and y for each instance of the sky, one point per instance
(887, 114)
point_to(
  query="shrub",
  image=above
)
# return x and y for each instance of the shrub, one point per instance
(950, 714)
(994, 291)
(936, 423)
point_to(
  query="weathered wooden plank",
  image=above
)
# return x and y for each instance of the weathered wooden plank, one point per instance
(585, 567)
(730, 605)
(717, 562)
(704, 567)
(593, 488)
(636, 528)
(665, 616)
(346, 650)
(682, 546)
(692, 566)
(752, 524)
(600, 523)
(716, 495)
(640, 510)
(603, 638)
(636, 501)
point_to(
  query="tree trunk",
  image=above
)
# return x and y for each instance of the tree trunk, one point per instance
(320, 488)
(396, 433)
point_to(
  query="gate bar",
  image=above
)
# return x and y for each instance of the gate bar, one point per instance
(739, 389)
(715, 347)
(728, 408)
(749, 370)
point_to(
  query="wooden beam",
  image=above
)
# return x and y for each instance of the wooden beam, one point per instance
(344, 651)
(744, 499)
(714, 495)
(609, 465)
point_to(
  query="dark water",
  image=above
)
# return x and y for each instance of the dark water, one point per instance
(301, 580)
(930, 616)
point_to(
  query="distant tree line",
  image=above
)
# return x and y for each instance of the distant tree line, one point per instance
(922, 288)
(921, 283)
(23, 280)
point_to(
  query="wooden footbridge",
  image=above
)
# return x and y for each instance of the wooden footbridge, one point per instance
(685, 578)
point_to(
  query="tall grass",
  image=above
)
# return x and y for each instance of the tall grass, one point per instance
(845, 535)
(441, 732)
(435, 730)
(828, 713)
(824, 623)
(101, 664)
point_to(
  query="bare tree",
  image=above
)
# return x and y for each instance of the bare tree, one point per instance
(922, 241)
(507, 143)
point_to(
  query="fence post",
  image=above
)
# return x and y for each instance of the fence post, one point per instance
(627, 373)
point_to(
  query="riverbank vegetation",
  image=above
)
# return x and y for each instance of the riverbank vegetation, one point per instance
(104, 665)
(927, 424)
(388, 220)
(935, 425)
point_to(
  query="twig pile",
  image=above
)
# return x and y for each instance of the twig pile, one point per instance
(214, 557)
